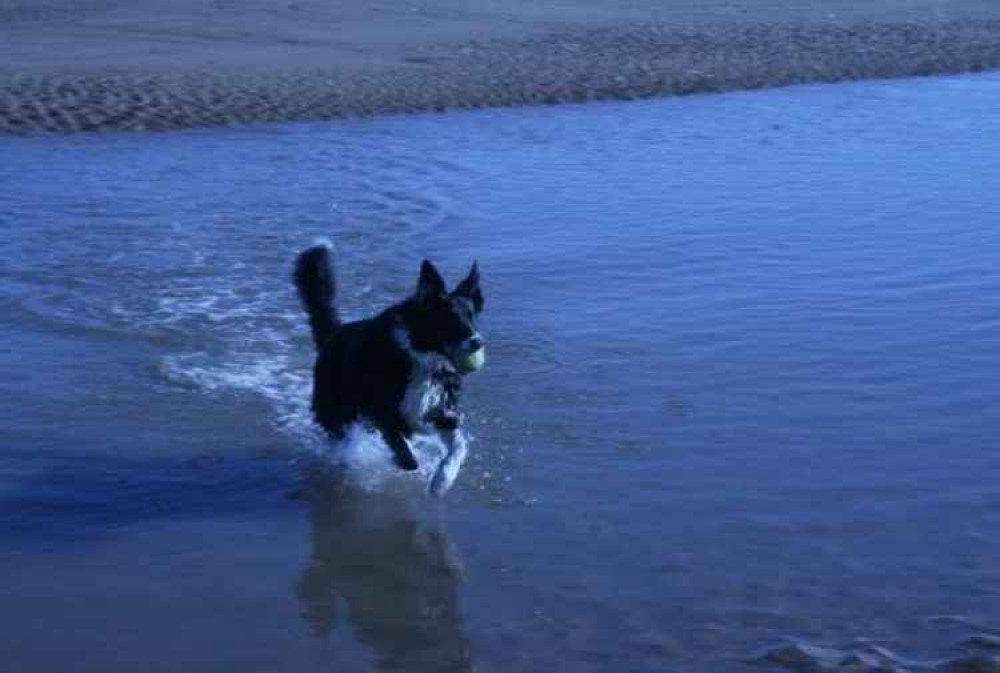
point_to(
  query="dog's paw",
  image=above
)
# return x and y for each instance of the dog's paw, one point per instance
(447, 471)
(406, 462)
(449, 421)
(443, 479)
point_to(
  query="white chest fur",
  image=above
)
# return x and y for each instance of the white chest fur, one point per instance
(423, 392)
(422, 395)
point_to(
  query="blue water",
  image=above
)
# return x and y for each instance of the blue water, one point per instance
(741, 388)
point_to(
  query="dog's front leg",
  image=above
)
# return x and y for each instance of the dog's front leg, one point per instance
(447, 469)
(402, 455)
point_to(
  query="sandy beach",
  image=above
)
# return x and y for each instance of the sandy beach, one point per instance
(106, 64)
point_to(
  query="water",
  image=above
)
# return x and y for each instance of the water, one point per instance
(741, 388)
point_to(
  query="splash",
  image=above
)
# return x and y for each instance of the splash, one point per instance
(361, 456)
(366, 461)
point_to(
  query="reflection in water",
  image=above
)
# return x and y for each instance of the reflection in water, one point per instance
(391, 574)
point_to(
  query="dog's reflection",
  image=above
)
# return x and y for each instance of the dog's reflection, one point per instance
(391, 573)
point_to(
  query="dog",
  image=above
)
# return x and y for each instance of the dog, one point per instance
(398, 372)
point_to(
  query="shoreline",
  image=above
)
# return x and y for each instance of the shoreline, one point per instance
(577, 64)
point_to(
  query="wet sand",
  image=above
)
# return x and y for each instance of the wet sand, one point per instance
(106, 64)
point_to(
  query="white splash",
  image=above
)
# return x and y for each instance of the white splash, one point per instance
(367, 461)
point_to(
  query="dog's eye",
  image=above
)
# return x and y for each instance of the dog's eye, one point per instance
(461, 310)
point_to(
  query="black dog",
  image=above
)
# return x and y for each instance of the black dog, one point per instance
(399, 371)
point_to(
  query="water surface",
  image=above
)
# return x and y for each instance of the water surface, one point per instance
(741, 388)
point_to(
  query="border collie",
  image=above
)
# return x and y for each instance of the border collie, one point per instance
(399, 372)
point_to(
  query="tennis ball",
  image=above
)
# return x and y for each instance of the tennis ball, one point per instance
(473, 361)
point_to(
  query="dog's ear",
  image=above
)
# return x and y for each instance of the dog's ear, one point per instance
(431, 284)
(469, 288)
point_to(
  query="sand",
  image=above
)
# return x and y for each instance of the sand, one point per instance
(75, 65)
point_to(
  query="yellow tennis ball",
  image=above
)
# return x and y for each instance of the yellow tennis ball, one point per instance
(473, 361)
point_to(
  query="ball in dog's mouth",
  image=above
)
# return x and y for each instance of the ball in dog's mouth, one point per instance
(472, 362)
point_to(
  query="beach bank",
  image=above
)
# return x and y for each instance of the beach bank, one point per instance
(105, 65)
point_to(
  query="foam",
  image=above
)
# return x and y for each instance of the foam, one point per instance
(362, 456)
(867, 657)
(367, 464)
(272, 378)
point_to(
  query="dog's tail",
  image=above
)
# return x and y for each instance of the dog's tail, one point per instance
(318, 289)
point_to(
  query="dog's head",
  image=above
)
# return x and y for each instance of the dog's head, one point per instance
(445, 322)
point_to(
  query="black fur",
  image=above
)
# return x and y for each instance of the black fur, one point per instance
(363, 372)
(317, 290)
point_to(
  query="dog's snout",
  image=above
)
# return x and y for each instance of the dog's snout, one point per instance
(474, 343)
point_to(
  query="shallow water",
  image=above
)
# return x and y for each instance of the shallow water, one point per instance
(741, 388)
